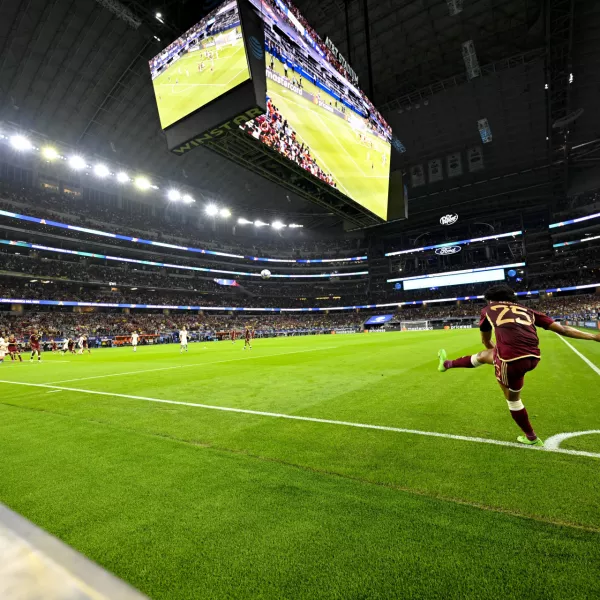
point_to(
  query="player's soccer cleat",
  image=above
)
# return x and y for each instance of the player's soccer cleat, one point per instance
(525, 440)
(442, 357)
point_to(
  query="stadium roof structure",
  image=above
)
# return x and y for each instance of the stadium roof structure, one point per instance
(77, 72)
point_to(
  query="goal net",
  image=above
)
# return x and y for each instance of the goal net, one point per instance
(415, 325)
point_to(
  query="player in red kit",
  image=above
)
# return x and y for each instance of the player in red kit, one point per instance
(248, 339)
(53, 345)
(34, 343)
(233, 335)
(13, 348)
(516, 351)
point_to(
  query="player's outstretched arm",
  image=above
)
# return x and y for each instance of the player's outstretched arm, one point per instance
(571, 332)
(486, 339)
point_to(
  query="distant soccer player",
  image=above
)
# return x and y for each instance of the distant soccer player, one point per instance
(71, 345)
(248, 339)
(13, 348)
(34, 343)
(516, 351)
(53, 345)
(86, 345)
(3, 349)
(183, 340)
(65, 346)
(233, 335)
(80, 345)
(134, 340)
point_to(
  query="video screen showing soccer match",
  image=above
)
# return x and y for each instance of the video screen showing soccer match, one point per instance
(204, 63)
(316, 116)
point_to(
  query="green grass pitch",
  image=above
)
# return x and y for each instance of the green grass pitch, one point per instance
(190, 502)
(360, 172)
(182, 87)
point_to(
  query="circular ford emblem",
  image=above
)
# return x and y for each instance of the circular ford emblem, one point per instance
(449, 219)
(448, 250)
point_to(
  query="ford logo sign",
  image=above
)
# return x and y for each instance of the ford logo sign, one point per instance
(449, 219)
(447, 250)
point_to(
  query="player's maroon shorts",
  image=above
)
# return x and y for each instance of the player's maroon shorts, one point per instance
(512, 374)
(35, 347)
(12, 349)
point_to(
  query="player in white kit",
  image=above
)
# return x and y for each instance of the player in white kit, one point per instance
(3, 349)
(80, 345)
(134, 340)
(183, 340)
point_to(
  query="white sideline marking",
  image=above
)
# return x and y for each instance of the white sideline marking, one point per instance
(259, 413)
(554, 442)
(214, 362)
(586, 360)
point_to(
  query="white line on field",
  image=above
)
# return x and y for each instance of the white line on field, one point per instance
(555, 441)
(259, 413)
(214, 362)
(586, 360)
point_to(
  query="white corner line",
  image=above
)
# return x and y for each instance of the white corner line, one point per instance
(449, 436)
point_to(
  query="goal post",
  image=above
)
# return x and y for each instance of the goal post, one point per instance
(415, 326)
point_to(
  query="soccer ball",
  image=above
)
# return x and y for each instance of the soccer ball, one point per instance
(265, 274)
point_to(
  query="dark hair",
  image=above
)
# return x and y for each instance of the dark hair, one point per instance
(499, 293)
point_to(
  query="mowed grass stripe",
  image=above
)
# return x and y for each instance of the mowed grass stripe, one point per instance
(179, 521)
(435, 434)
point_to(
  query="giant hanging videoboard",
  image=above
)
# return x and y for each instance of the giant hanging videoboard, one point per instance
(204, 63)
(316, 117)
(256, 67)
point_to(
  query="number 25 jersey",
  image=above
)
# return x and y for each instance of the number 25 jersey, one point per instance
(515, 329)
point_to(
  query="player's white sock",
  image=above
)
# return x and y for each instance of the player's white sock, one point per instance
(475, 362)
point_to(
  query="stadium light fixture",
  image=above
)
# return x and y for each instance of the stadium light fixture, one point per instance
(242, 221)
(260, 223)
(225, 213)
(295, 226)
(77, 163)
(188, 199)
(142, 183)
(174, 195)
(20, 142)
(122, 177)
(212, 210)
(101, 170)
(278, 225)
(49, 153)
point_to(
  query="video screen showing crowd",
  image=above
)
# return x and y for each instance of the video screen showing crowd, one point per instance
(316, 117)
(205, 62)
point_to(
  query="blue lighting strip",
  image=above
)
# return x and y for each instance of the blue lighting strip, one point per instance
(458, 243)
(279, 310)
(571, 221)
(588, 239)
(434, 275)
(136, 240)
(173, 266)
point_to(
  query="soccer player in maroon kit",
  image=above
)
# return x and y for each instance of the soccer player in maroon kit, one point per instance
(233, 335)
(248, 339)
(516, 351)
(34, 342)
(13, 348)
